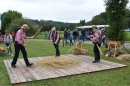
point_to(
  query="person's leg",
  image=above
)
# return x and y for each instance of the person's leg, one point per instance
(10, 49)
(103, 42)
(9, 53)
(65, 40)
(17, 49)
(57, 50)
(24, 55)
(83, 38)
(77, 38)
(70, 41)
(96, 53)
(74, 38)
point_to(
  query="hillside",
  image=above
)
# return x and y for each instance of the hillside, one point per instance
(50, 21)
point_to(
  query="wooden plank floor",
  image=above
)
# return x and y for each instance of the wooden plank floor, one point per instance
(25, 74)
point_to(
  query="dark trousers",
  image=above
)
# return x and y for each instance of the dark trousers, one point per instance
(96, 51)
(103, 40)
(57, 49)
(65, 40)
(83, 38)
(71, 43)
(19, 47)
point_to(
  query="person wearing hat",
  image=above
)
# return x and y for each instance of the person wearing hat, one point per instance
(19, 45)
(55, 39)
(96, 38)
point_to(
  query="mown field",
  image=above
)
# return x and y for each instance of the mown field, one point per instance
(40, 47)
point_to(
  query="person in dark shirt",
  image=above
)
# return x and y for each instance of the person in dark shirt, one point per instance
(75, 35)
(83, 32)
(65, 36)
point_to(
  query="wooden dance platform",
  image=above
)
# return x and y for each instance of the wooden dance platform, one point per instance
(25, 74)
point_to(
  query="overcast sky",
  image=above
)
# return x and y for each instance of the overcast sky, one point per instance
(56, 10)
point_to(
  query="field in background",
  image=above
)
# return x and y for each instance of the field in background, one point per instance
(41, 35)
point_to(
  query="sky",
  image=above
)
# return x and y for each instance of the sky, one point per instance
(71, 11)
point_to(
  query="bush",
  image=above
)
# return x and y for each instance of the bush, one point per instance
(16, 24)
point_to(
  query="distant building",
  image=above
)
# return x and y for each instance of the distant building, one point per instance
(90, 26)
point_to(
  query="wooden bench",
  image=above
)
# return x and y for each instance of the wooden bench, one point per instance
(2, 50)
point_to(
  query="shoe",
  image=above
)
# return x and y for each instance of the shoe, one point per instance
(96, 61)
(13, 66)
(30, 64)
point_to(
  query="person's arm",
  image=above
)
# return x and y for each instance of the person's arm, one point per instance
(11, 39)
(51, 36)
(4, 38)
(90, 36)
(96, 36)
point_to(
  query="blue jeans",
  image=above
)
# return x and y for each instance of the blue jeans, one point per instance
(9, 48)
(66, 40)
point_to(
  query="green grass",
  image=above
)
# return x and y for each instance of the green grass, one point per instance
(128, 36)
(116, 77)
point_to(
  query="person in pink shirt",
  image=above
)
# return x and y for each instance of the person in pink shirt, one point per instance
(19, 45)
(55, 39)
(95, 38)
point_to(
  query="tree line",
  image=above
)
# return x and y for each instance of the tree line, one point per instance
(12, 21)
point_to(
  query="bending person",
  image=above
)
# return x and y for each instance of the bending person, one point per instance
(96, 38)
(55, 38)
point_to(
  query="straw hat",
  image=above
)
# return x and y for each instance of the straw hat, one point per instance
(25, 26)
(53, 28)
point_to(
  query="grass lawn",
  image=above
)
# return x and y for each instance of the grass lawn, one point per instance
(37, 48)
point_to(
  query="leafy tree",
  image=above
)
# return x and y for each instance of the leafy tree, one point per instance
(9, 16)
(71, 27)
(16, 24)
(116, 13)
(89, 23)
(95, 20)
(82, 22)
(45, 28)
(62, 28)
(103, 16)
(42, 22)
(102, 22)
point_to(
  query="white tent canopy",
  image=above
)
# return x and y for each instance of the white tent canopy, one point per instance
(90, 26)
